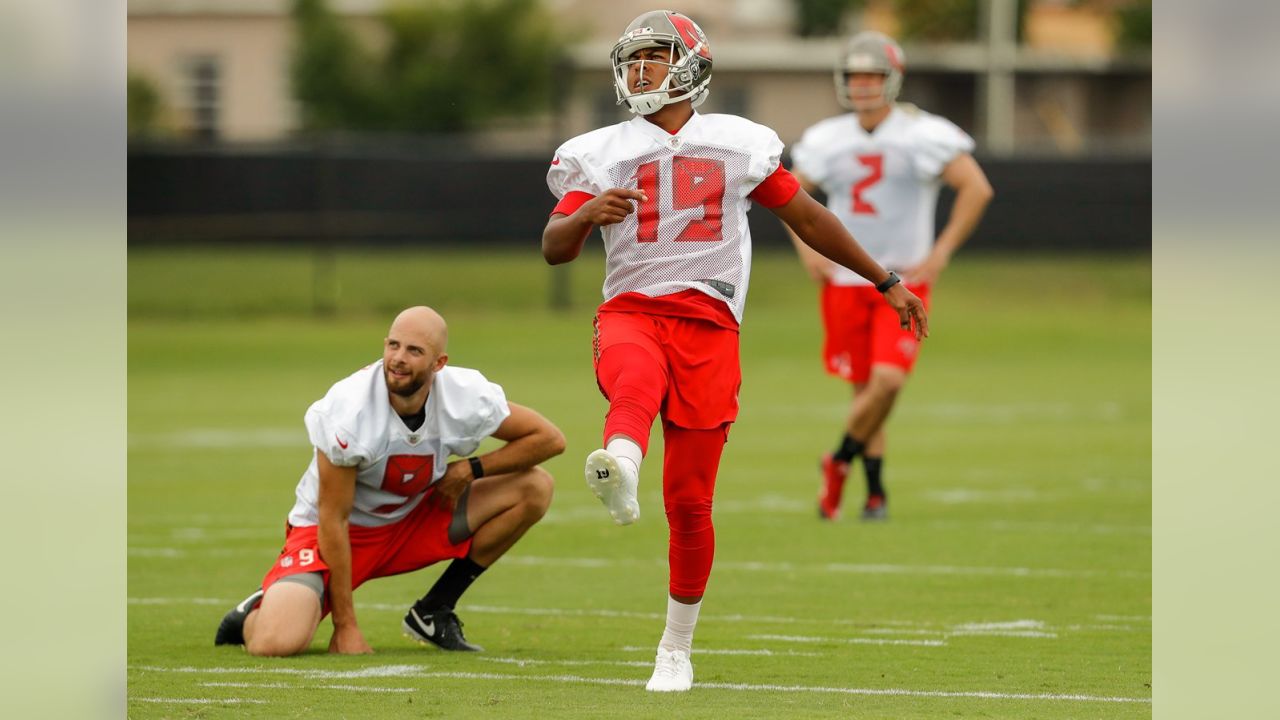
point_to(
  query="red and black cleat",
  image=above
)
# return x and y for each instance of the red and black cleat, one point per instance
(875, 509)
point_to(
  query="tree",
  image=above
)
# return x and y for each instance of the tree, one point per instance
(822, 17)
(1133, 25)
(143, 106)
(446, 67)
(947, 20)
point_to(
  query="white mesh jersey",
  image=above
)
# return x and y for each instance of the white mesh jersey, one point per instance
(355, 425)
(692, 232)
(883, 185)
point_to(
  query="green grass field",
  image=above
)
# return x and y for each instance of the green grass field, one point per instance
(1013, 580)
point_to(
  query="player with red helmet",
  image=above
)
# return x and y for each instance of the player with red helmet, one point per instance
(880, 166)
(670, 190)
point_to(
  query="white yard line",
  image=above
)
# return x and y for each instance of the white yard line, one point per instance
(1023, 526)
(287, 686)
(196, 701)
(419, 672)
(897, 692)
(727, 651)
(182, 601)
(177, 553)
(850, 641)
(852, 568)
(524, 662)
(376, 671)
(1002, 634)
(1004, 625)
(1013, 628)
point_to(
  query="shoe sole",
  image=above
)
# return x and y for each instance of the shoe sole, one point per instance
(604, 477)
(231, 629)
(228, 634)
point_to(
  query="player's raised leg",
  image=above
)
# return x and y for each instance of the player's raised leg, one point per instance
(635, 382)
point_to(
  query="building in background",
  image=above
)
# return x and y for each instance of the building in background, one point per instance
(221, 69)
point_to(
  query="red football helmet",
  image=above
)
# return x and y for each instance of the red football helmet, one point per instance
(689, 72)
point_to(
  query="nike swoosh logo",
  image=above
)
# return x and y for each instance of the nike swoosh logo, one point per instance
(556, 161)
(431, 628)
(340, 443)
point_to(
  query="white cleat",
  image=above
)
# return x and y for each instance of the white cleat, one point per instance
(672, 672)
(615, 486)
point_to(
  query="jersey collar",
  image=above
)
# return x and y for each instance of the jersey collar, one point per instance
(662, 136)
(894, 113)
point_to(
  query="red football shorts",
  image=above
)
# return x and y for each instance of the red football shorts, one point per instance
(419, 539)
(700, 360)
(863, 330)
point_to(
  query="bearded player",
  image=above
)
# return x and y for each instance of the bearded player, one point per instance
(381, 496)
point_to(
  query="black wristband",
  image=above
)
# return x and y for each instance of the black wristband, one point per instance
(889, 282)
(477, 469)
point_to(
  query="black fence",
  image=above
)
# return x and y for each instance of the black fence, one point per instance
(446, 195)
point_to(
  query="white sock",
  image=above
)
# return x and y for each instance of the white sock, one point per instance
(681, 620)
(627, 451)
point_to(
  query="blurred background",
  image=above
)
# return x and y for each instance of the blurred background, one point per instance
(332, 123)
(300, 170)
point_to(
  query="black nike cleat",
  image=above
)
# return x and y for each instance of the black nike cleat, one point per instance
(231, 630)
(441, 628)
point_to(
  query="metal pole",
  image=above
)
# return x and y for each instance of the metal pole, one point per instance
(1000, 31)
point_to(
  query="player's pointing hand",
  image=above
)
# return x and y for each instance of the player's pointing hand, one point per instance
(613, 205)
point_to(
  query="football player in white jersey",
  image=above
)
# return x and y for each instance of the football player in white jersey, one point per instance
(381, 496)
(670, 191)
(880, 166)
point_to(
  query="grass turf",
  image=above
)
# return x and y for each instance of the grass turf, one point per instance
(1013, 579)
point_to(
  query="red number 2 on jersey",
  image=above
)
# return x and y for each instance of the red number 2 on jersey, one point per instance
(695, 181)
(406, 475)
(875, 163)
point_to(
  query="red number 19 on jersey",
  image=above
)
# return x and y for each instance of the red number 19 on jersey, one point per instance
(694, 182)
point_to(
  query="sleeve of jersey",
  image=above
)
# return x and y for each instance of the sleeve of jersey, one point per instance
(494, 410)
(806, 159)
(331, 438)
(475, 408)
(568, 182)
(777, 189)
(940, 142)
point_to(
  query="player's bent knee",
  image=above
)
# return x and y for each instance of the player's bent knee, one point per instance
(272, 646)
(280, 641)
(285, 622)
(538, 489)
